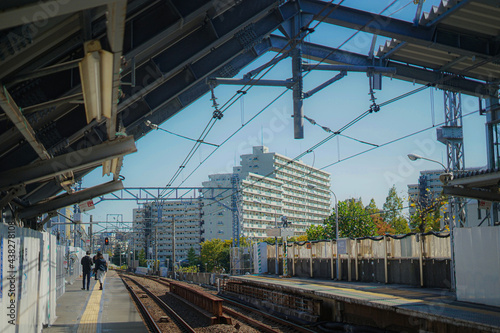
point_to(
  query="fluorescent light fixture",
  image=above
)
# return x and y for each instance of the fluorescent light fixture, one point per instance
(111, 166)
(96, 75)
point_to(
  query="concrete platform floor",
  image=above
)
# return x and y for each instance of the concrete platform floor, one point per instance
(108, 310)
(413, 301)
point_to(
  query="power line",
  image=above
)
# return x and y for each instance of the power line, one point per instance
(212, 121)
(354, 120)
(338, 132)
(392, 141)
(241, 91)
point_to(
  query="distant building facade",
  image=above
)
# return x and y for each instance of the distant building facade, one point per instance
(66, 232)
(154, 229)
(430, 185)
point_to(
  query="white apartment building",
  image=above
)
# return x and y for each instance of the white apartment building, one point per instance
(271, 186)
(217, 207)
(155, 225)
(430, 180)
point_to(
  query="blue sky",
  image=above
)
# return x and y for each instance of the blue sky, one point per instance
(369, 175)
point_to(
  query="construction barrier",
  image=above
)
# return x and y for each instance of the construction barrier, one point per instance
(413, 259)
(33, 273)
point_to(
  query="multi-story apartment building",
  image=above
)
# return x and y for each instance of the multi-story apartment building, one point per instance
(67, 233)
(218, 206)
(430, 185)
(173, 224)
(270, 186)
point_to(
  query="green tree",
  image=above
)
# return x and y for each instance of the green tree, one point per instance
(372, 208)
(115, 259)
(427, 216)
(142, 258)
(354, 220)
(215, 254)
(192, 258)
(381, 226)
(393, 215)
(317, 232)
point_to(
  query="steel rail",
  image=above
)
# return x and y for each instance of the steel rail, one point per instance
(296, 327)
(150, 322)
(252, 322)
(185, 326)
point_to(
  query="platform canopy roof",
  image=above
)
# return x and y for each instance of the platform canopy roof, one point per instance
(80, 78)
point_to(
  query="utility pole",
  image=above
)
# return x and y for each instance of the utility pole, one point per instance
(90, 236)
(276, 242)
(156, 247)
(173, 245)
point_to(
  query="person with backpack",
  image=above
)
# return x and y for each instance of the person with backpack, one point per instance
(102, 267)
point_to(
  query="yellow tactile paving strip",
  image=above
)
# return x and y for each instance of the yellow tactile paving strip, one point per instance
(88, 323)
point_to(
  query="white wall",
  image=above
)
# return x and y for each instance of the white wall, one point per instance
(27, 277)
(477, 264)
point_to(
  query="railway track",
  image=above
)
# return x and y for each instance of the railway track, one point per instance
(181, 323)
(149, 320)
(261, 321)
(265, 321)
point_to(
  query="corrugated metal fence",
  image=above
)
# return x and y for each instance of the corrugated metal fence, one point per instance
(434, 246)
(415, 259)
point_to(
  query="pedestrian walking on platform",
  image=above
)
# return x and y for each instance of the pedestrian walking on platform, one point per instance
(94, 259)
(102, 268)
(86, 267)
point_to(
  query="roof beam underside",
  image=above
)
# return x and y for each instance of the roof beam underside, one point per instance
(433, 37)
(403, 72)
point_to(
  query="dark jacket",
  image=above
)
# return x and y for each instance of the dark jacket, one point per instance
(101, 264)
(86, 263)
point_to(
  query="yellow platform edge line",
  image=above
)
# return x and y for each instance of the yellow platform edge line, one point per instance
(88, 322)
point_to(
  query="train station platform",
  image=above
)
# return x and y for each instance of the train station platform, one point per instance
(108, 310)
(385, 306)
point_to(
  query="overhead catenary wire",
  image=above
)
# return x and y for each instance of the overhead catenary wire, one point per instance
(362, 115)
(354, 120)
(239, 93)
(235, 97)
(394, 141)
(335, 133)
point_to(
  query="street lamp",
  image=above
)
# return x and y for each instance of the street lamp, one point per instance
(444, 178)
(337, 268)
(414, 157)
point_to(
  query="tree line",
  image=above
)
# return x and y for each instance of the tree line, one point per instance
(357, 220)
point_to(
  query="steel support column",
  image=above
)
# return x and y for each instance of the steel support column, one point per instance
(452, 136)
(298, 96)
(235, 209)
(493, 143)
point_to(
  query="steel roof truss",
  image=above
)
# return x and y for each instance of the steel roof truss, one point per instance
(403, 71)
(14, 113)
(434, 37)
